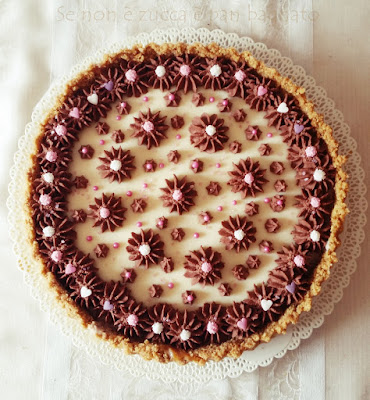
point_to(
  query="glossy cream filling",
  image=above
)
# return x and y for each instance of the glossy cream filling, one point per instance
(118, 259)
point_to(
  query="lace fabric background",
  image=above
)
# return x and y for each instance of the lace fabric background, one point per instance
(82, 372)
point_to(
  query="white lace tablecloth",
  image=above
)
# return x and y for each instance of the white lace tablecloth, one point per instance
(42, 40)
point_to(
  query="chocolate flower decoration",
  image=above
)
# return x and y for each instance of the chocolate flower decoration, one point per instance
(128, 275)
(242, 320)
(198, 99)
(177, 122)
(253, 262)
(214, 188)
(123, 108)
(132, 320)
(149, 128)
(280, 185)
(317, 176)
(161, 223)
(155, 291)
(76, 111)
(235, 147)
(108, 212)
(215, 74)
(299, 131)
(134, 82)
(102, 128)
(86, 152)
(253, 133)
(225, 289)
(188, 297)
(114, 295)
(283, 109)
(160, 317)
(167, 264)
(237, 233)
(46, 202)
(145, 248)
(224, 105)
(160, 72)
(179, 194)
(55, 252)
(50, 229)
(261, 93)
(265, 149)
(212, 317)
(267, 299)
(118, 136)
(302, 154)
(58, 134)
(101, 250)
(272, 225)
(138, 205)
(196, 165)
(185, 330)
(315, 205)
(203, 266)
(80, 182)
(239, 115)
(79, 216)
(58, 182)
(240, 80)
(186, 75)
(251, 208)
(53, 158)
(240, 272)
(149, 165)
(247, 177)
(98, 106)
(177, 234)
(208, 133)
(294, 256)
(205, 217)
(111, 83)
(310, 234)
(172, 99)
(117, 164)
(290, 284)
(174, 156)
(86, 290)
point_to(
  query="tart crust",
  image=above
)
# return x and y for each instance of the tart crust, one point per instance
(232, 348)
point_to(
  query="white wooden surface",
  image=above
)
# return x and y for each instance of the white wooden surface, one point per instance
(340, 45)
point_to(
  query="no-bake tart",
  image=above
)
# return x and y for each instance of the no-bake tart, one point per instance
(185, 201)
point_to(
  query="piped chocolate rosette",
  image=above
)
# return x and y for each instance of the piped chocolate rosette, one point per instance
(187, 199)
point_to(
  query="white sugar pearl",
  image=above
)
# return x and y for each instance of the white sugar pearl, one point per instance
(210, 130)
(115, 165)
(48, 231)
(315, 236)
(239, 234)
(160, 71)
(319, 175)
(144, 250)
(48, 177)
(185, 335)
(157, 328)
(215, 70)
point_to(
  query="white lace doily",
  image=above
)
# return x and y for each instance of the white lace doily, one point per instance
(264, 354)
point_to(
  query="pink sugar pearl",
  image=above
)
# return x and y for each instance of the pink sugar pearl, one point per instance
(195, 164)
(178, 137)
(234, 202)
(123, 104)
(171, 285)
(206, 218)
(129, 193)
(84, 150)
(118, 117)
(269, 135)
(254, 131)
(145, 98)
(145, 185)
(225, 102)
(218, 165)
(171, 97)
(267, 200)
(139, 224)
(161, 165)
(211, 99)
(128, 274)
(95, 188)
(279, 202)
(219, 208)
(266, 249)
(89, 238)
(196, 235)
(115, 245)
(102, 141)
(160, 223)
(190, 298)
(149, 166)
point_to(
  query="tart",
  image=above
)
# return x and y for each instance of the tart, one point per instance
(185, 201)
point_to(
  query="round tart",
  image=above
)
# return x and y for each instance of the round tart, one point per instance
(186, 201)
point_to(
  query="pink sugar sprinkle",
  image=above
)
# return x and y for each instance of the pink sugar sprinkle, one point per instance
(84, 150)
(279, 202)
(171, 97)
(196, 235)
(89, 238)
(211, 99)
(149, 166)
(161, 165)
(115, 245)
(128, 274)
(206, 218)
(269, 135)
(145, 98)
(139, 224)
(178, 136)
(254, 131)
(145, 185)
(129, 193)
(95, 188)
(102, 141)
(218, 165)
(195, 164)
(118, 117)
(266, 249)
(234, 202)
(219, 208)
(190, 298)
(267, 200)
(160, 223)
(225, 102)
(171, 285)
